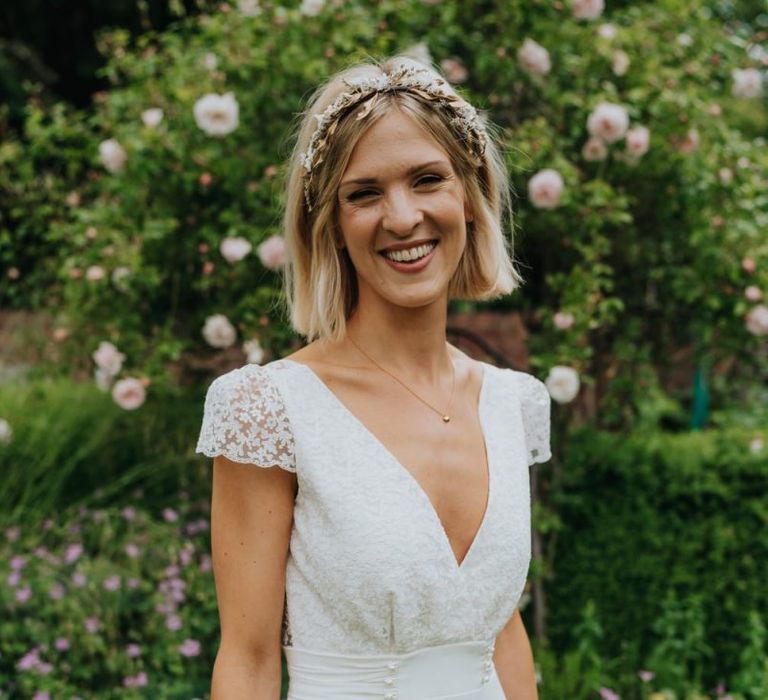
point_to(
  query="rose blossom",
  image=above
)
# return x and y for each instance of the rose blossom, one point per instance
(6, 432)
(545, 189)
(234, 249)
(190, 647)
(249, 8)
(607, 31)
(61, 644)
(454, 70)
(587, 9)
(757, 320)
(690, 143)
(638, 141)
(217, 115)
(748, 265)
(533, 58)
(563, 383)
(129, 393)
(112, 155)
(311, 8)
(108, 358)
(746, 82)
(608, 122)
(73, 552)
(594, 149)
(272, 252)
(620, 63)
(152, 117)
(254, 351)
(753, 293)
(94, 273)
(725, 175)
(563, 320)
(219, 332)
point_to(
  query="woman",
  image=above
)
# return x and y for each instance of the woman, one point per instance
(388, 549)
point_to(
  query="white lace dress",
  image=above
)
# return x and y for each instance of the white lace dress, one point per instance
(376, 605)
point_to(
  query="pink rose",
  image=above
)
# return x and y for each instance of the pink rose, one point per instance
(563, 320)
(757, 320)
(454, 70)
(594, 149)
(690, 143)
(638, 141)
(545, 189)
(607, 31)
(234, 249)
(129, 393)
(753, 293)
(587, 9)
(272, 252)
(533, 58)
(219, 332)
(108, 358)
(620, 63)
(94, 273)
(749, 265)
(608, 122)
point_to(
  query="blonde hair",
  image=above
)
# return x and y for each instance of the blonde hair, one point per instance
(319, 278)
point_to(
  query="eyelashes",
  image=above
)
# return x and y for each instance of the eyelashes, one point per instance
(424, 180)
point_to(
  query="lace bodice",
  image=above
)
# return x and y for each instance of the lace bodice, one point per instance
(370, 568)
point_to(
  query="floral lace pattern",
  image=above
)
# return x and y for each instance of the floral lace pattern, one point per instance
(245, 421)
(370, 568)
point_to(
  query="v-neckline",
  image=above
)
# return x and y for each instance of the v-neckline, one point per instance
(458, 565)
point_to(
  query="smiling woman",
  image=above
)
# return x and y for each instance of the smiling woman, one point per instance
(387, 552)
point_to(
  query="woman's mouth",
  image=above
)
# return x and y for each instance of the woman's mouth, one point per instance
(411, 259)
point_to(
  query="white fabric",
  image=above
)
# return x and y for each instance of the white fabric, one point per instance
(370, 569)
(464, 670)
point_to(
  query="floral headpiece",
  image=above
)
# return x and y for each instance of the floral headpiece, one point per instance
(419, 81)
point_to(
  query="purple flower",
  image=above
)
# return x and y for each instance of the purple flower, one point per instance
(190, 647)
(12, 534)
(13, 578)
(98, 516)
(48, 524)
(73, 553)
(61, 644)
(205, 563)
(41, 695)
(137, 681)
(56, 591)
(112, 583)
(171, 571)
(24, 594)
(29, 661)
(18, 562)
(92, 625)
(79, 579)
(133, 650)
(132, 550)
(173, 622)
(608, 694)
(129, 513)
(170, 515)
(132, 583)
(646, 676)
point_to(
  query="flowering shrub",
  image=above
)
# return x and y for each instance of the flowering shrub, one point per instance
(631, 134)
(102, 601)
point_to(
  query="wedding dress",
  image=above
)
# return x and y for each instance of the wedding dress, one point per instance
(376, 603)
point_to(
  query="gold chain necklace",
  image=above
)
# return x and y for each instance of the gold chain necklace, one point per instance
(444, 415)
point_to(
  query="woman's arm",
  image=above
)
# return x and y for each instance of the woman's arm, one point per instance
(513, 660)
(251, 519)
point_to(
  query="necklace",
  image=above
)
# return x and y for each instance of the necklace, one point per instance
(445, 416)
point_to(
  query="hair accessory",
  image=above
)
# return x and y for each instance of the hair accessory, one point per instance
(406, 78)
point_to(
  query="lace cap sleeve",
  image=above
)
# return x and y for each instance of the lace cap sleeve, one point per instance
(245, 420)
(535, 405)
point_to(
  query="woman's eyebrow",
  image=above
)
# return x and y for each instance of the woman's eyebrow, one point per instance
(410, 171)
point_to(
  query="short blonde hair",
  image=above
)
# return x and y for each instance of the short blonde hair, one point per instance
(319, 278)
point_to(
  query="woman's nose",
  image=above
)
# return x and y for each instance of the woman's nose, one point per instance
(401, 213)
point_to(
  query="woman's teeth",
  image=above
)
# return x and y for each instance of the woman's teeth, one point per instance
(410, 254)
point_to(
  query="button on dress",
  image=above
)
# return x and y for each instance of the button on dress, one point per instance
(376, 603)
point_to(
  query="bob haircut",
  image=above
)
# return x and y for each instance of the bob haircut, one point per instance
(319, 278)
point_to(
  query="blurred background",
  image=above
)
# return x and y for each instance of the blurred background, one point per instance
(142, 156)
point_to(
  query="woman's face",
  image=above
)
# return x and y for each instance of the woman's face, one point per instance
(400, 195)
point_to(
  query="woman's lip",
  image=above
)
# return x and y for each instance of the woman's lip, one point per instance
(410, 267)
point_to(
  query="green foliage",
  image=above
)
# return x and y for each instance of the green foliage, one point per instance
(649, 517)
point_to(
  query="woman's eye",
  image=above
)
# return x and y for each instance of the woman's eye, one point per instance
(429, 180)
(360, 194)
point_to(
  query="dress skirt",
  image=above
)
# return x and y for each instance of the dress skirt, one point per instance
(461, 671)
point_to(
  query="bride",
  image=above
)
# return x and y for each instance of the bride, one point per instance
(384, 542)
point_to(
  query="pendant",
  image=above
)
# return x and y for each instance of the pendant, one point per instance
(446, 419)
